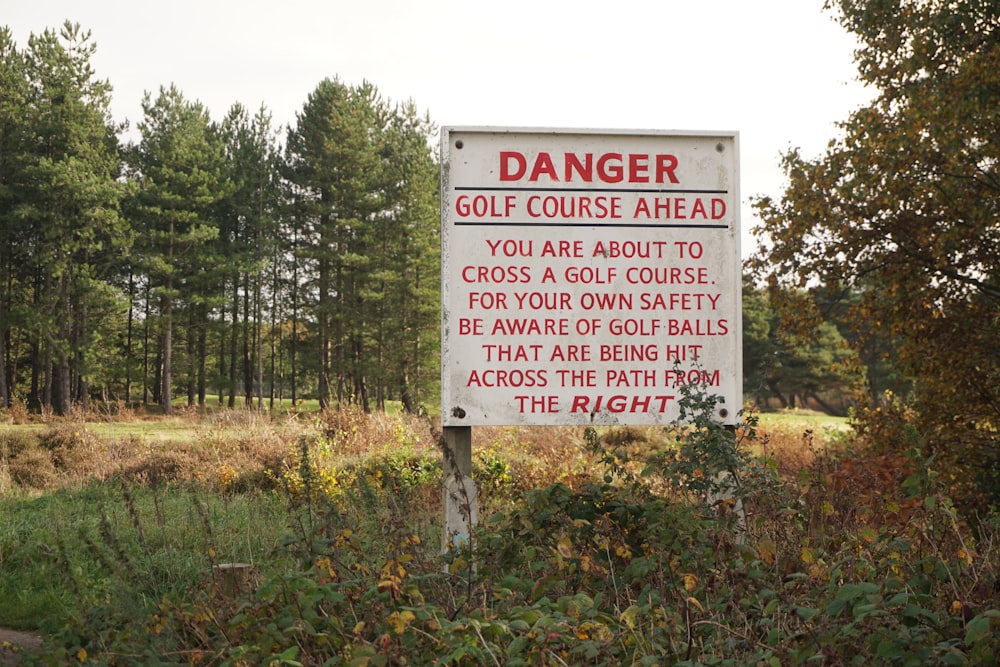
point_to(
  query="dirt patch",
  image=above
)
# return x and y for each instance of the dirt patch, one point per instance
(14, 644)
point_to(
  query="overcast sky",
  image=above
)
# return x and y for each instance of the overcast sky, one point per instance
(779, 72)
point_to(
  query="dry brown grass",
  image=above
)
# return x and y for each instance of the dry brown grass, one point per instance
(226, 449)
(353, 434)
(536, 455)
(241, 449)
(792, 449)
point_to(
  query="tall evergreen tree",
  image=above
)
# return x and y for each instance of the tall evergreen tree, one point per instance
(332, 155)
(362, 172)
(332, 269)
(248, 235)
(409, 319)
(13, 96)
(67, 195)
(179, 166)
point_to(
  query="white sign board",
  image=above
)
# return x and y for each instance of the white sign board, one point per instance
(586, 275)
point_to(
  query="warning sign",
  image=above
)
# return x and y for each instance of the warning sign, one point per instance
(586, 275)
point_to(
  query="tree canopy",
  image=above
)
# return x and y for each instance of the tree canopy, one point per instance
(902, 212)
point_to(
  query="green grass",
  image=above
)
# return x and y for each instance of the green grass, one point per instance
(70, 550)
(802, 419)
(154, 431)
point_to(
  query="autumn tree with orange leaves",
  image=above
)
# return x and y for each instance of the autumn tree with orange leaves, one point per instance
(902, 214)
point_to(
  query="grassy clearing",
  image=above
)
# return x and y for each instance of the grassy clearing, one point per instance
(803, 419)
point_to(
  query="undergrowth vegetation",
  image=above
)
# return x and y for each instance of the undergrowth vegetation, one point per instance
(291, 542)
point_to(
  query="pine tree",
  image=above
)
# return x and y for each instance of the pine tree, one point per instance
(333, 161)
(67, 195)
(248, 236)
(366, 188)
(179, 167)
(410, 319)
(13, 97)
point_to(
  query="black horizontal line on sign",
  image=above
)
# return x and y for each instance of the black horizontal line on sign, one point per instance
(661, 191)
(644, 225)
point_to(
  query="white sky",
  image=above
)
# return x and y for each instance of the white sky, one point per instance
(779, 72)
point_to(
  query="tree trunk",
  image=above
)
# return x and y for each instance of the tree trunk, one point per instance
(64, 385)
(827, 408)
(4, 390)
(323, 317)
(128, 338)
(166, 357)
(233, 340)
(202, 356)
(192, 342)
(222, 357)
(247, 360)
(168, 332)
(776, 390)
(259, 343)
(145, 348)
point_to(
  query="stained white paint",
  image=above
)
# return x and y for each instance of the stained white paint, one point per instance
(571, 293)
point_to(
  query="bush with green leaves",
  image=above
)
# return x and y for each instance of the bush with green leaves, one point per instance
(633, 569)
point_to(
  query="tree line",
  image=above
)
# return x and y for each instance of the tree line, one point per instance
(210, 258)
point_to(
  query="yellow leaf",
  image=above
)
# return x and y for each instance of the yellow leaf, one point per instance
(565, 547)
(695, 602)
(808, 556)
(399, 620)
(690, 582)
(81, 655)
(628, 616)
(389, 584)
(458, 565)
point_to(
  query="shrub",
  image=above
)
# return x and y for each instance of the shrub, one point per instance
(33, 468)
(12, 443)
(844, 563)
(17, 413)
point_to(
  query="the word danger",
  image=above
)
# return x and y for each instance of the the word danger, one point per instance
(588, 167)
